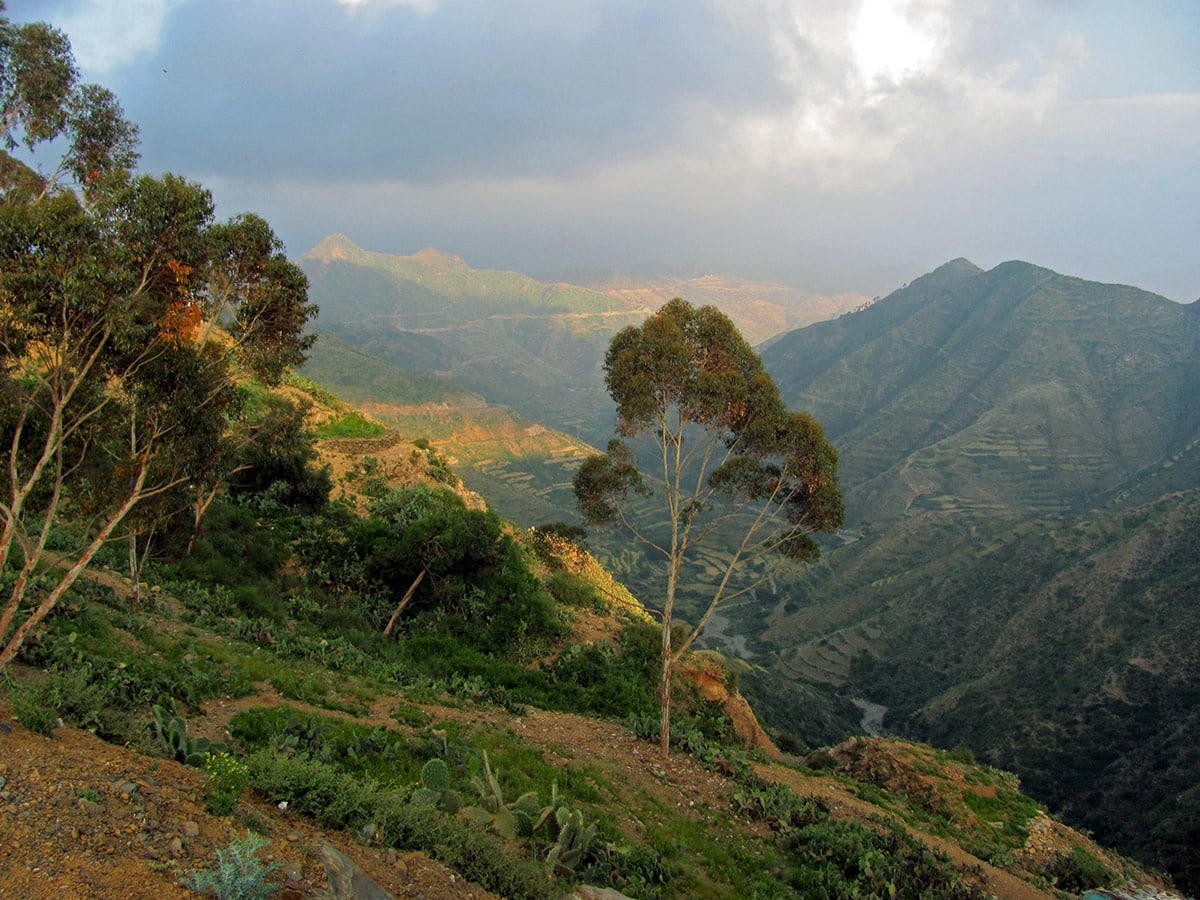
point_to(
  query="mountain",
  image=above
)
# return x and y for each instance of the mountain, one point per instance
(533, 346)
(1017, 390)
(252, 727)
(1020, 454)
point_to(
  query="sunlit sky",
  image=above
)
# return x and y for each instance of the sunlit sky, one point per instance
(843, 146)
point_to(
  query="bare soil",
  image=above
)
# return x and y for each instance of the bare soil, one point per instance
(80, 818)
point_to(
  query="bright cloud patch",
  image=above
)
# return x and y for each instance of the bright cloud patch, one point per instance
(887, 43)
(421, 6)
(107, 34)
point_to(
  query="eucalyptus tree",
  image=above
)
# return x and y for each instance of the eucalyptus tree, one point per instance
(115, 388)
(724, 458)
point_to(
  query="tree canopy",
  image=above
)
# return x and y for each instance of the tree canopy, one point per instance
(116, 385)
(728, 461)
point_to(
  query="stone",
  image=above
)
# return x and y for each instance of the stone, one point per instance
(346, 880)
(190, 829)
(590, 892)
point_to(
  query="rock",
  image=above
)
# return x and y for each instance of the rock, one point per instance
(292, 871)
(346, 880)
(176, 847)
(589, 892)
(190, 829)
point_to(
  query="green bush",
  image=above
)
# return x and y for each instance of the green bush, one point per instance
(33, 705)
(239, 874)
(1077, 872)
(340, 800)
(227, 778)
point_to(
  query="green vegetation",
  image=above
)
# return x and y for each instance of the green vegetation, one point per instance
(239, 873)
(687, 383)
(142, 344)
(352, 424)
(117, 395)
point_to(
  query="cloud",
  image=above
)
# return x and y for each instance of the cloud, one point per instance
(105, 34)
(593, 131)
(421, 6)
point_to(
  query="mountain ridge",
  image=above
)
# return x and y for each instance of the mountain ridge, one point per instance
(1005, 437)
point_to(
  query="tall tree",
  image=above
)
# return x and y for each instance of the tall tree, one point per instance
(112, 391)
(731, 462)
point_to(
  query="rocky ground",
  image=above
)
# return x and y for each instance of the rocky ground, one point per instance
(80, 818)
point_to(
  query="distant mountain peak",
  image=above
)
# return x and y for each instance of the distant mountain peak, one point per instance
(961, 265)
(333, 247)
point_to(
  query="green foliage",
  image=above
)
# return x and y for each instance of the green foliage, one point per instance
(1006, 814)
(719, 440)
(234, 550)
(339, 800)
(351, 424)
(276, 463)
(833, 859)
(36, 707)
(573, 842)
(570, 589)
(1078, 871)
(435, 788)
(227, 778)
(169, 730)
(239, 873)
(112, 395)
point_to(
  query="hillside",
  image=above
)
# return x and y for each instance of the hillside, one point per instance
(532, 346)
(260, 659)
(86, 818)
(1018, 450)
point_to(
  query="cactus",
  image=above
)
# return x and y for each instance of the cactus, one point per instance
(491, 809)
(435, 788)
(170, 730)
(574, 841)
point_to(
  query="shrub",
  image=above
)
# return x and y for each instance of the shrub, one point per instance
(227, 778)
(239, 874)
(33, 706)
(1077, 872)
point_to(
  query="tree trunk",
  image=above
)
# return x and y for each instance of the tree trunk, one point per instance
(664, 703)
(134, 572)
(387, 632)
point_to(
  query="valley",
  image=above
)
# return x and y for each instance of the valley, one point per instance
(1005, 438)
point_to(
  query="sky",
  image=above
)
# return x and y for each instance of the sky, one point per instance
(842, 146)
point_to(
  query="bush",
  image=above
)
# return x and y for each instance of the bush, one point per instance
(227, 778)
(339, 800)
(1077, 872)
(239, 874)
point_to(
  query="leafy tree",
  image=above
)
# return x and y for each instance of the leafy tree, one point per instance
(732, 463)
(112, 393)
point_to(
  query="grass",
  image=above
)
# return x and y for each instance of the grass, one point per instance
(351, 425)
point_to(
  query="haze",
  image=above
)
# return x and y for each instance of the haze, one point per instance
(840, 146)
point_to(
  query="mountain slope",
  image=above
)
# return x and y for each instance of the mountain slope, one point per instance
(533, 346)
(1016, 389)
(1019, 455)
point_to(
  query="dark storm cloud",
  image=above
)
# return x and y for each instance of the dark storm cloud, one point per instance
(541, 134)
(310, 89)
